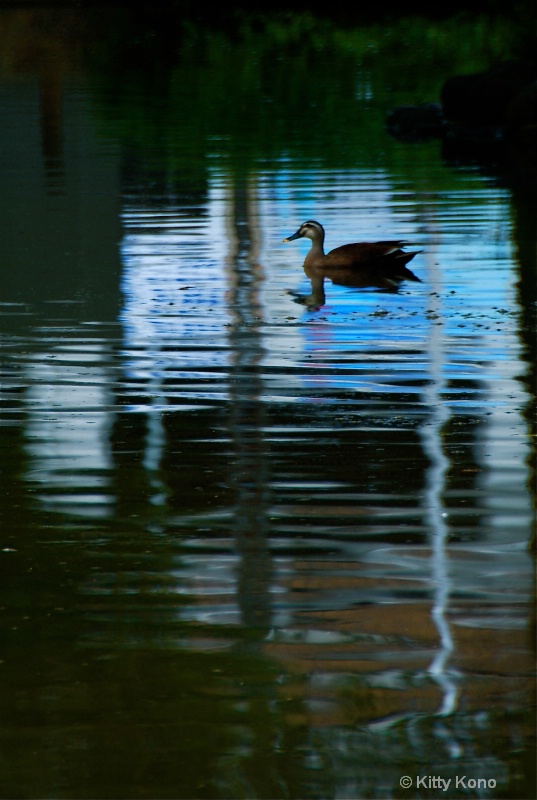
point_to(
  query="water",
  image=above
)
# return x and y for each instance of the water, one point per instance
(251, 547)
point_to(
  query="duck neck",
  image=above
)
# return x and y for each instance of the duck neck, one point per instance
(316, 250)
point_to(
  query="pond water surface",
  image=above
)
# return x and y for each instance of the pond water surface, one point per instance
(253, 547)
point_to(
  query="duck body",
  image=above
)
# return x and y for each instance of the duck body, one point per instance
(381, 264)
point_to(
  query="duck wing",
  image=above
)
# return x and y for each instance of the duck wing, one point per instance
(372, 260)
(364, 253)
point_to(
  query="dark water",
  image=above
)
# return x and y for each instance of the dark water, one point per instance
(252, 548)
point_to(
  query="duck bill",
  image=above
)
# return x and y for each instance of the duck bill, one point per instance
(294, 236)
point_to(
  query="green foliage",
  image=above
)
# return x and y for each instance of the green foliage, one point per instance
(283, 84)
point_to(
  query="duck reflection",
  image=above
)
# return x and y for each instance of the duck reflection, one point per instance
(360, 265)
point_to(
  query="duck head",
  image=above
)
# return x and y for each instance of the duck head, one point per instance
(310, 230)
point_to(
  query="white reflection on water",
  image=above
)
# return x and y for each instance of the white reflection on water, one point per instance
(435, 510)
(155, 443)
(68, 420)
(174, 314)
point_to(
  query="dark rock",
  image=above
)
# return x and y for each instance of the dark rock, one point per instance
(521, 137)
(521, 117)
(485, 97)
(474, 144)
(486, 118)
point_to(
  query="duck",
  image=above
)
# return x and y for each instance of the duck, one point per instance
(361, 264)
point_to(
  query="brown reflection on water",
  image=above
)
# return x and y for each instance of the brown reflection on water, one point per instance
(367, 278)
(56, 188)
(387, 638)
(47, 43)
